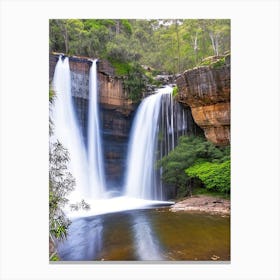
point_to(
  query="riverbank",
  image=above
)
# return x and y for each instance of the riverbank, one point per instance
(203, 203)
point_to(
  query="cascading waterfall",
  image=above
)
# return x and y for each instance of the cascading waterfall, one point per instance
(158, 124)
(86, 165)
(141, 175)
(155, 130)
(95, 153)
(172, 124)
(66, 129)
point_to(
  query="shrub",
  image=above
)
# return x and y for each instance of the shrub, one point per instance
(215, 176)
(175, 91)
(190, 150)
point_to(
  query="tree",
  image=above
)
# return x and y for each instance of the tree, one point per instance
(218, 32)
(61, 183)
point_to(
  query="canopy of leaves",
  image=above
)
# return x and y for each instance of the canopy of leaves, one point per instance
(169, 45)
(165, 45)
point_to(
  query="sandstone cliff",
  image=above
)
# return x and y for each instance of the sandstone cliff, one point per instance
(206, 89)
(111, 90)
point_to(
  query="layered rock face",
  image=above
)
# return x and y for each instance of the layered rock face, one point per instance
(206, 89)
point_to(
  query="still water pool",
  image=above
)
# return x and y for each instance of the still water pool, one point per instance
(148, 235)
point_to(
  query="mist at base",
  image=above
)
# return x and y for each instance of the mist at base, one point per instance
(112, 205)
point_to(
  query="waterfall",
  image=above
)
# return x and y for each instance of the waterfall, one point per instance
(95, 153)
(66, 129)
(86, 165)
(158, 123)
(172, 125)
(141, 174)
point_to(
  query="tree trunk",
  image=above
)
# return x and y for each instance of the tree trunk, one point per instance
(195, 48)
(178, 46)
(215, 43)
(117, 26)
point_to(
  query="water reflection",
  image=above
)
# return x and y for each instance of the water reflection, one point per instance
(146, 244)
(147, 235)
(84, 242)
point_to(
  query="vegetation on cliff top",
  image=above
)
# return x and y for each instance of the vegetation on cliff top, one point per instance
(169, 46)
(215, 61)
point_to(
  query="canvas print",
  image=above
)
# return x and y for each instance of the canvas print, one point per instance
(139, 140)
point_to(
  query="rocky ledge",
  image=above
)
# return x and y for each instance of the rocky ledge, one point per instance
(203, 203)
(206, 89)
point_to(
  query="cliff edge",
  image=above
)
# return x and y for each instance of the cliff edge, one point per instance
(206, 89)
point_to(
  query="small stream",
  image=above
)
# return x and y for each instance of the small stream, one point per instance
(148, 235)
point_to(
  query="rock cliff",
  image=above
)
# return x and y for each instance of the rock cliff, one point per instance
(206, 89)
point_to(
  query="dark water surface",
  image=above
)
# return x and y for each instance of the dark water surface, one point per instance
(150, 234)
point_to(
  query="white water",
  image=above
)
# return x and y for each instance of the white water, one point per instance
(66, 128)
(115, 204)
(86, 166)
(141, 174)
(95, 153)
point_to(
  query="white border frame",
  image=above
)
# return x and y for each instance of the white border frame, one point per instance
(24, 138)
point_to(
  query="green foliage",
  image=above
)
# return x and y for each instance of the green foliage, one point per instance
(119, 49)
(203, 191)
(134, 78)
(51, 100)
(61, 183)
(189, 151)
(134, 82)
(54, 258)
(126, 26)
(121, 68)
(219, 63)
(175, 91)
(51, 95)
(150, 75)
(214, 62)
(171, 45)
(215, 176)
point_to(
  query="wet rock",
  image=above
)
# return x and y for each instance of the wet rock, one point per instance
(165, 79)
